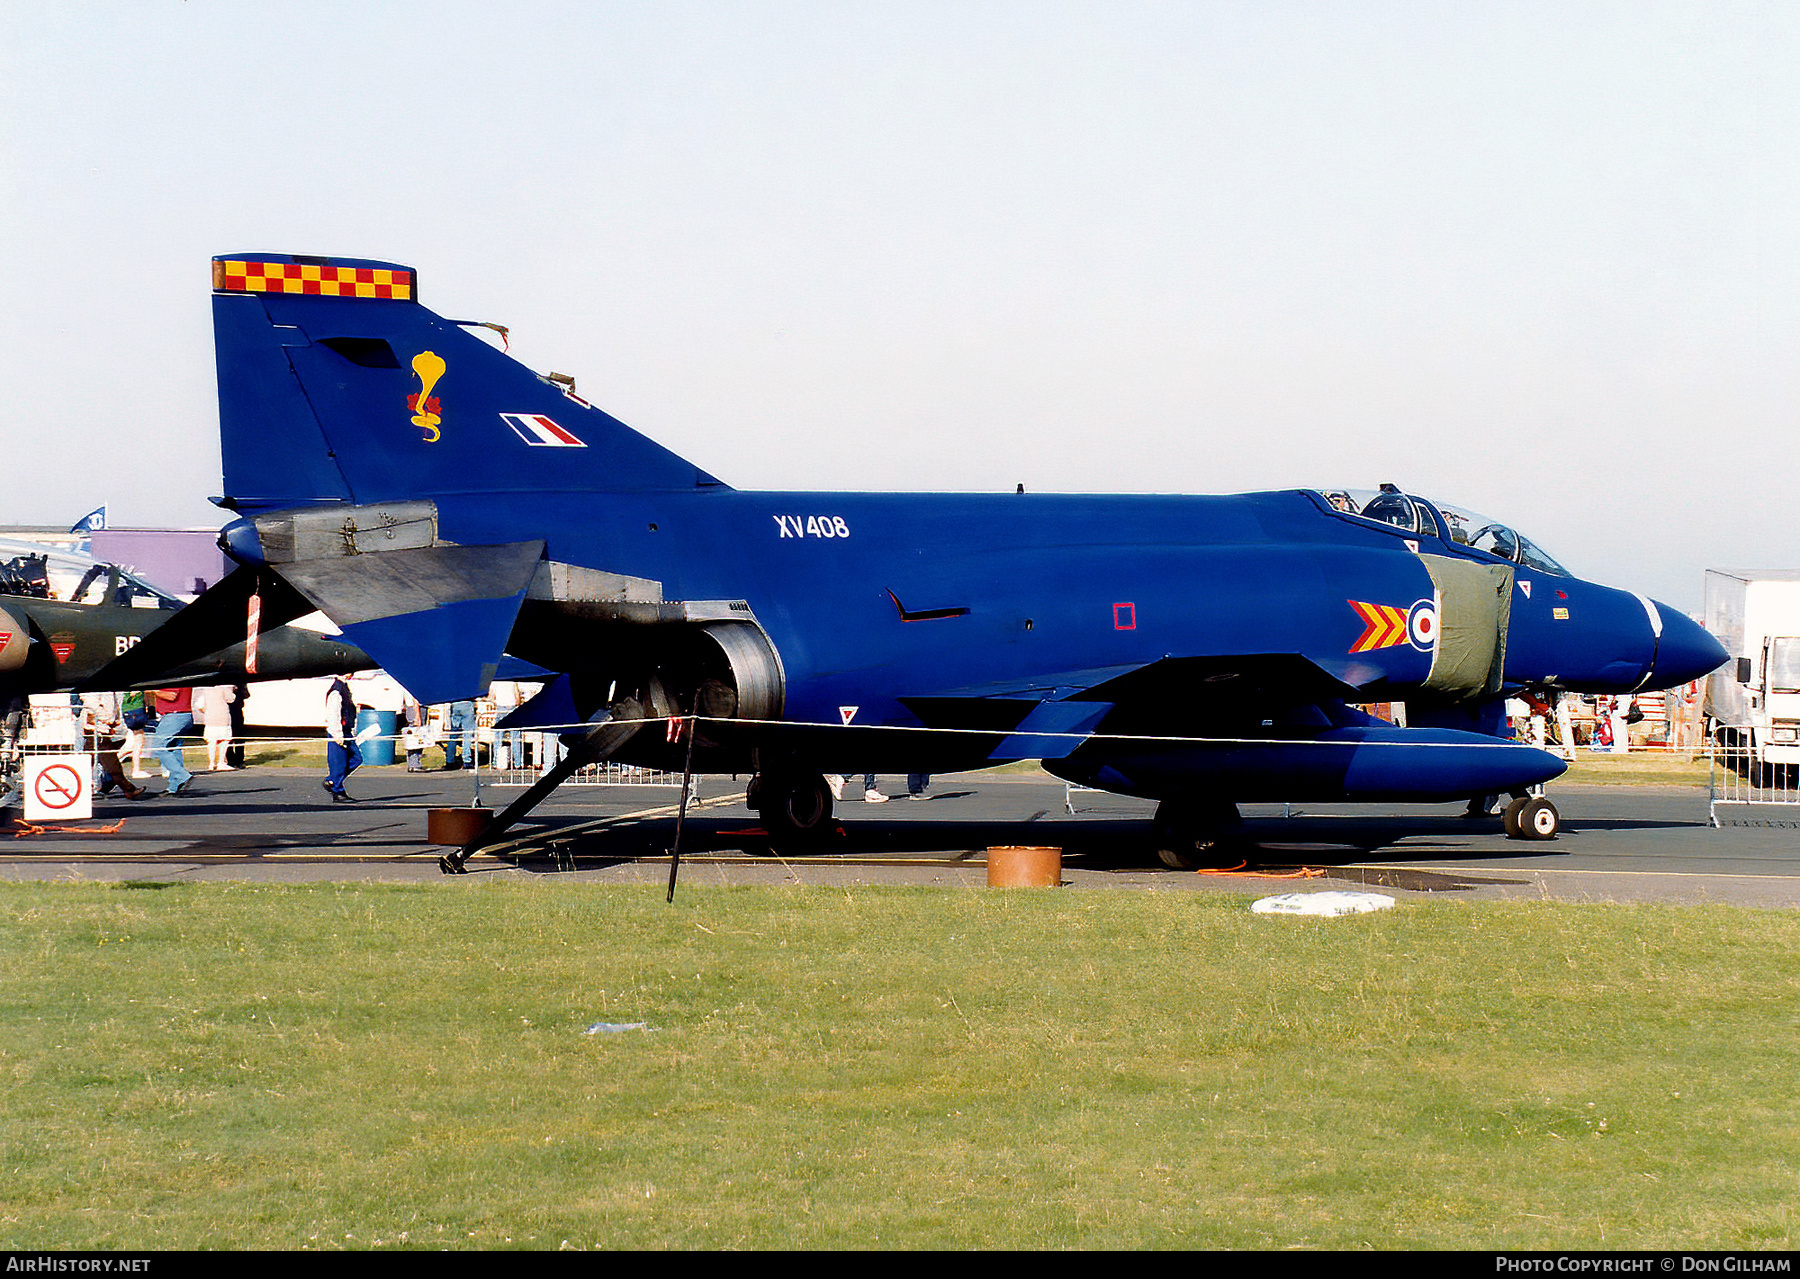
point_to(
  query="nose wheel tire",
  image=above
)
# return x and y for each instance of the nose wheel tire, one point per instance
(1533, 818)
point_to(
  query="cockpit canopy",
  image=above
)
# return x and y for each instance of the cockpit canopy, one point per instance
(49, 573)
(1388, 505)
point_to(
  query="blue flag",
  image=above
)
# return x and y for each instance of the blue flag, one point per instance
(94, 519)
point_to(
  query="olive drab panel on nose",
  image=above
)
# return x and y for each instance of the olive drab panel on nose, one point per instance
(15, 642)
(1474, 607)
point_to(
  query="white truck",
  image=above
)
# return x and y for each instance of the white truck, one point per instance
(1753, 701)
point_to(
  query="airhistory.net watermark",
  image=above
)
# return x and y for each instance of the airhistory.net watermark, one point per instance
(51, 1264)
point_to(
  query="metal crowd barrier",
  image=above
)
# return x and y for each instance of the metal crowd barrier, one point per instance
(602, 774)
(1739, 778)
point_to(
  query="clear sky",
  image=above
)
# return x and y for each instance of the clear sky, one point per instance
(1536, 259)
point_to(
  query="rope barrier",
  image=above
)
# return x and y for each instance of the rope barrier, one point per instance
(437, 737)
(1242, 871)
(23, 829)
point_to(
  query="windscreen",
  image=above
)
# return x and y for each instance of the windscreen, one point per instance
(1390, 506)
(1784, 665)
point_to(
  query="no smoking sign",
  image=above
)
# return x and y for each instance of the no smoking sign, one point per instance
(57, 787)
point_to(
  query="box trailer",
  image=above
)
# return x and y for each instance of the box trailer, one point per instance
(1753, 701)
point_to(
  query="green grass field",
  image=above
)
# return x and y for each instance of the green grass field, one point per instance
(340, 1066)
(1646, 768)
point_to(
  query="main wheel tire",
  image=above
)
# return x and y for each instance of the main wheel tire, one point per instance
(795, 810)
(1539, 820)
(1194, 837)
(1177, 858)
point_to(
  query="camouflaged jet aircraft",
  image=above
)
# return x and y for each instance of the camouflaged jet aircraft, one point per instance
(444, 505)
(48, 645)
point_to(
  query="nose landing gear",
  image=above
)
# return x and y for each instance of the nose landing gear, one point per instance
(1532, 817)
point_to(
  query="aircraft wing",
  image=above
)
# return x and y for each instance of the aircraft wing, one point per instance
(1237, 684)
(1262, 726)
(1049, 717)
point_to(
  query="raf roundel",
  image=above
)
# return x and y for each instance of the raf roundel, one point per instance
(1422, 626)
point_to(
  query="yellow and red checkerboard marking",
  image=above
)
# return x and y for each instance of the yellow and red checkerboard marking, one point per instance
(324, 281)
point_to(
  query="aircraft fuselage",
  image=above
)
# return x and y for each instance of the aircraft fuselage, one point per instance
(870, 598)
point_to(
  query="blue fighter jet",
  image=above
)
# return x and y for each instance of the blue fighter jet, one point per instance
(445, 505)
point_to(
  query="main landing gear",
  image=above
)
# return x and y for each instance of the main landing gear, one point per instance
(795, 808)
(1193, 836)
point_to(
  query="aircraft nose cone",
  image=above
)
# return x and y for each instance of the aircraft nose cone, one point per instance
(1684, 651)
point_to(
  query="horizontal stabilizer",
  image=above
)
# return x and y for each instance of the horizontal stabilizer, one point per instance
(443, 654)
(360, 588)
(436, 618)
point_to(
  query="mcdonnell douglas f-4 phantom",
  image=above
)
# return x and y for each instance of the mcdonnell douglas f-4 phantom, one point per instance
(444, 505)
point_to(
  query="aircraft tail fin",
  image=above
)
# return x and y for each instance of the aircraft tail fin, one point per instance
(336, 385)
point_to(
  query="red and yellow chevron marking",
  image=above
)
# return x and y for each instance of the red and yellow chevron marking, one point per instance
(1383, 626)
(325, 281)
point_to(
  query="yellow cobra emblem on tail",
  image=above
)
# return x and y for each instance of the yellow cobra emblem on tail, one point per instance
(429, 367)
